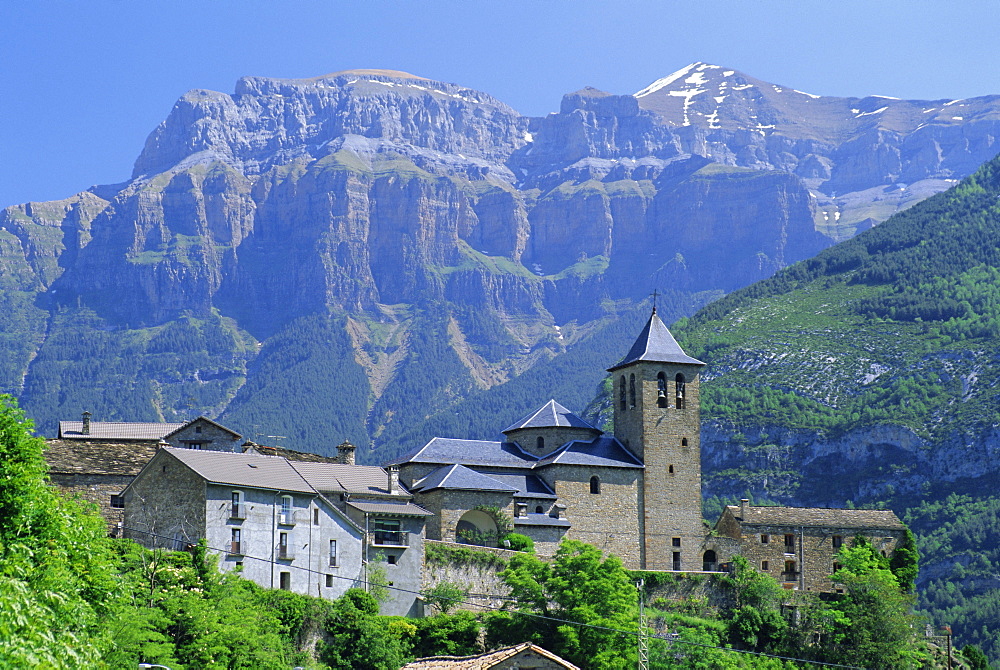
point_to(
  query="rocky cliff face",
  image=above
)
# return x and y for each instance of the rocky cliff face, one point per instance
(445, 243)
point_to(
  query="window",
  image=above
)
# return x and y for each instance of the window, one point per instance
(676, 562)
(538, 509)
(239, 565)
(284, 551)
(631, 390)
(197, 429)
(684, 442)
(679, 385)
(117, 502)
(676, 542)
(194, 445)
(285, 581)
(236, 509)
(287, 516)
(235, 545)
(764, 539)
(789, 543)
(765, 566)
(595, 484)
(333, 553)
(670, 469)
(329, 581)
(838, 541)
(621, 393)
(387, 531)
(540, 443)
(661, 390)
(315, 516)
(836, 566)
(391, 559)
(790, 568)
(708, 561)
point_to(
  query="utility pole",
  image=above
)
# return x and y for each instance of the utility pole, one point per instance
(643, 631)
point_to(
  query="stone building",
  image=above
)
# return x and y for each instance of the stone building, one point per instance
(636, 493)
(798, 545)
(309, 527)
(96, 460)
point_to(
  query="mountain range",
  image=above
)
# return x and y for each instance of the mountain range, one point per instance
(377, 256)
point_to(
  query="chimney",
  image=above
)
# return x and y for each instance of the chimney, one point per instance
(86, 424)
(345, 453)
(744, 508)
(393, 479)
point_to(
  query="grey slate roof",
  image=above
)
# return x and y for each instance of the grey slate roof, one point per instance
(655, 343)
(97, 458)
(460, 478)
(117, 430)
(389, 508)
(604, 450)
(541, 520)
(528, 486)
(445, 451)
(550, 415)
(818, 517)
(261, 472)
(341, 478)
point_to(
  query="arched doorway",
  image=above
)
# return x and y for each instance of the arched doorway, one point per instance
(709, 561)
(476, 527)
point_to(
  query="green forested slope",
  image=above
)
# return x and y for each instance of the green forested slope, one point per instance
(869, 373)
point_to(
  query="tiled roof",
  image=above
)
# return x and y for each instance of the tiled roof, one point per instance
(541, 520)
(112, 430)
(340, 478)
(390, 508)
(444, 451)
(97, 458)
(249, 470)
(550, 415)
(528, 486)
(493, 659)
(655, 343)
(818, 517)
(605, 451)
(460, 478)
(236, 436)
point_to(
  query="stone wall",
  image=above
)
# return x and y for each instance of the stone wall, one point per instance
(668, 440)
(478, 573)
(206, 434)
(552, 438)
(608, 520)
(807, 561)
(449, 506)
(96, 489)
(166, 507)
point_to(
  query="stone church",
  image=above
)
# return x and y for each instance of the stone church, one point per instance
(635, 493)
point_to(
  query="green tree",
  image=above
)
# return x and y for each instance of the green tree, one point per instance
(581, 586)
(358, 638)
(905, 562)
(755, 621)
(444, 595)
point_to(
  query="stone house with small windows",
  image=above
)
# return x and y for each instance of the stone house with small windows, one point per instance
(309, 527)
(798, 546)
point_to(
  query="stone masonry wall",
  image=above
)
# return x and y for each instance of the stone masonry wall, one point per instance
(668, 441)
(553, 438)
(96, 489)
(609, 519)
(449, 506)
(167, 502)
(210, 437)
(811, 554)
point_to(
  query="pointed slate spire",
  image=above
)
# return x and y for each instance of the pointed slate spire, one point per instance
(656, 344)
(550, 415)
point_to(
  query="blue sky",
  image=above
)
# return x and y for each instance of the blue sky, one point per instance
(83, 83)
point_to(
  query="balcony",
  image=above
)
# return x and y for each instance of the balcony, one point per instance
(390, 538)
(790, 575)
(237, 511)
(235, 548)
(285, 553)
(286, 517)
(333, 562)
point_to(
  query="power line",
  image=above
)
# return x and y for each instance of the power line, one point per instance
(534, 615)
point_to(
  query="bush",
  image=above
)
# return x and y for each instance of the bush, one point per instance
(519, 542)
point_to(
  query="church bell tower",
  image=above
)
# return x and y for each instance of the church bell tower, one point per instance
(657, 418)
